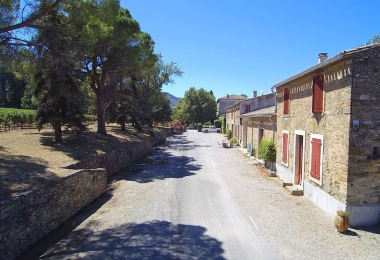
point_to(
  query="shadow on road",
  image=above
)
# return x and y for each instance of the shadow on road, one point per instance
(148, 240)
(180, 143)
(177, 167)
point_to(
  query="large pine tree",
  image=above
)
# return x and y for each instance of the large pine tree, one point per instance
(57, 78)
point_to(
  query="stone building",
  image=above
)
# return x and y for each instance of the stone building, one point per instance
(258, 119)
(233, 120)
(224, 102)
(328, 133)
(252, 120)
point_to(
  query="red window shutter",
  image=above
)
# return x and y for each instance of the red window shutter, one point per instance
(315, 171)
(286, 101)
(285, 148)
(318, 94)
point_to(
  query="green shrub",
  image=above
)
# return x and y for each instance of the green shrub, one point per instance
(199, 127)
(233, 140)
(267, 150)
(218, 123)
(223, 119)
(228, 133)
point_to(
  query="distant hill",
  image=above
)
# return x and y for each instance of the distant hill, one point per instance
(173, 100)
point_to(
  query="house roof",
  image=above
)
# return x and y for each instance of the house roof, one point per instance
(233, 97)
(265, 112)
(328, 62)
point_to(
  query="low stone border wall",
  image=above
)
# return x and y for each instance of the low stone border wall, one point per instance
(29, 217)
(123, 155)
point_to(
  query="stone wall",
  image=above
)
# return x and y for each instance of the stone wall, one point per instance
(364, 155)
(29, 217)
(333, 124)
(351, 156)
(123, 155)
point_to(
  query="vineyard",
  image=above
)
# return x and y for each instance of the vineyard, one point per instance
(11, 118)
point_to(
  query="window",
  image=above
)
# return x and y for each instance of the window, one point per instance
(286, 101)
(247, 108)
(285, 147)
(316, 158)
(317, 94)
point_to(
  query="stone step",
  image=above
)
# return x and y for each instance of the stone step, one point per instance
(295, 191)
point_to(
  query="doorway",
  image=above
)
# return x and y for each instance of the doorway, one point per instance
(299, 157)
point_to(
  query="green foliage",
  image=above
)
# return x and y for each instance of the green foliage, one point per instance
(267, 150)
(375, 39)
(197, 106)
(199, 127)
(223, 126)
(343, 213)
(228, 133)
(11, 89)
(218, 123)
(12, 117)
(20, 117)
(57, 77)
(232, 140)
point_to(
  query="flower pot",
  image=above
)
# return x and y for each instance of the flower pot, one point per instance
(341, 223)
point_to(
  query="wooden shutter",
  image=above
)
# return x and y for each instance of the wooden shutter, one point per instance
(286, 101)
(315, 169)
(318, 94)
(284, 147)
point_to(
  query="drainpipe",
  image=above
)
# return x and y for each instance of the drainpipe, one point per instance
(275, 111)
(273, 127)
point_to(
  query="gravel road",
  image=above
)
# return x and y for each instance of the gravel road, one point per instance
(207, 203)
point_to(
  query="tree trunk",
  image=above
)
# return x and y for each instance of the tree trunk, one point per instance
(58, 132)
(101, 115)
(122, 126)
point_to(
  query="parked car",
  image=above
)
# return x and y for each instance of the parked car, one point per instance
(210, 128)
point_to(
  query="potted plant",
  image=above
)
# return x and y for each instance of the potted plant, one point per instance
(342, 221)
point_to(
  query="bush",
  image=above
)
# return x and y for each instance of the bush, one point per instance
(199, 127)
(267, 150)
(233, 140)
(218, 123)
(228, 133)
(223, 120)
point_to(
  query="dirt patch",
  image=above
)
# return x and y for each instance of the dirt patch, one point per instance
(29, 158)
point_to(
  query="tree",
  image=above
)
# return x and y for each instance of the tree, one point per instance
(11, 89)
(57, 76)
(375, 39)
(113, 43)
(140, 100)
(13, 17)
(198, 106)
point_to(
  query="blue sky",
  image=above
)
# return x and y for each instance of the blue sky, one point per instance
(236, 47)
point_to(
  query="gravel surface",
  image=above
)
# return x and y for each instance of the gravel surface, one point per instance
(207, 203)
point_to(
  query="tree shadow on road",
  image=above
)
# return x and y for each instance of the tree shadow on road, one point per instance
(176, 167)
(148, 240)
(181, 143)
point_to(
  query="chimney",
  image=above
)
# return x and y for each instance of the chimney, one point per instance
(254, 93)
(322, 57)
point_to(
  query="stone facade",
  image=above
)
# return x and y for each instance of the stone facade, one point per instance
(27, 218)
(252, 120)
(224, 102)
(350, 176)
(233, 121)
